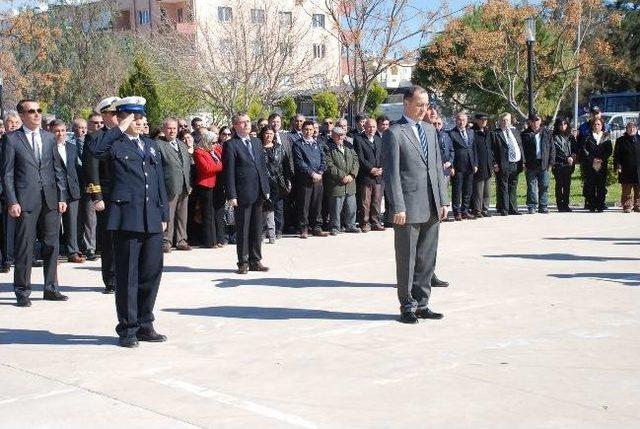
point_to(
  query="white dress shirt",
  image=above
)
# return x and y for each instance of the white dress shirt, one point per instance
(62, 150)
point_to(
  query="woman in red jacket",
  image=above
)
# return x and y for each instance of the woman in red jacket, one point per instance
(208, 162)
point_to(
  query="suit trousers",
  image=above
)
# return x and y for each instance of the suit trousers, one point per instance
(595, 186)
(630, 196)
(249, 226)
(87, 224)
(138, 260)
(369, 200)
(481, 195)
(507, 188)
(70, 226)
(537, 188)
(416, 248)
(212, 217)
(462, 189)
(563, 185)
(177, 225)
(45, 224)
(104, 242)
(9, 237)
(309, 204)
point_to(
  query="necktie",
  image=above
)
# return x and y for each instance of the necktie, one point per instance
(36, 147)
(247, 144)
(140, 145)
(423, 139)
(464, 136)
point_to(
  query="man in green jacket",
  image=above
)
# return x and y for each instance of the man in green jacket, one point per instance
(340, 182)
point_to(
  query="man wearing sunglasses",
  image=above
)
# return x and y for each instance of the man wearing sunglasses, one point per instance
(36, 193)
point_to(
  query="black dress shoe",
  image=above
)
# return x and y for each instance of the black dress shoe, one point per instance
(243, 268)
(109, 289)
(486, 214)
(91, 256)
(425, 313)
(5, 268)
(436, 282)
(257, 266)
(23, 302)
(128, 342)
(54, 296)
(504, 213)
(408, 318)
(515, 213)
(151, 336)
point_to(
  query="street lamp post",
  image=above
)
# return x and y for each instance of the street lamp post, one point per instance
(530, 37)
(1, 103)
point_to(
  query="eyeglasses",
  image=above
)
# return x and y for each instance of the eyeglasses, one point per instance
(225, 134)
(34, 111)
(97, 122)
(328, 122)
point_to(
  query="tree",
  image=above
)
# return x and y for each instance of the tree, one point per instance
(289, 108)
(377, 95)
(479, 59)
(326, 104)
(142, 83)
(375, 35)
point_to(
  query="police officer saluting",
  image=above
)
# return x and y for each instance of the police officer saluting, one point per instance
(137, 214)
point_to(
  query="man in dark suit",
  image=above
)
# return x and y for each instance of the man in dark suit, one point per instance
(247, 188)
(415, 185)
(137, 216)
(176, 163)
(368, 147)
(98, 175)
(288, 213)
(67, 156)
(309, 164)
(508, 159)
(36, 192)
(466, 164)
(482, 177)
(539, 155)
(87, 212)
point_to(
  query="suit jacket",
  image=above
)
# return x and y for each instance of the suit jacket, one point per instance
(98, 174)
(501, 149)
(285, 139)
(24, 177)
(69, 166)
(245, 177)
(547, 149)
(308, 159)
(370, 156)
(177, 168)
(138, 198)
(408, 184)
(466, 158)
(446, 150)
(627, 155)
(484, 152)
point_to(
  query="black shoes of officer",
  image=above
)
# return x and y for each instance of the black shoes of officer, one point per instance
(257, 266)
(408, 318)
(243, 268)
(425, 313)
(54, 296)
(23, 302)
(151, 336)
(5, 267)
(436, 282)
(109, 289)
(128, 342)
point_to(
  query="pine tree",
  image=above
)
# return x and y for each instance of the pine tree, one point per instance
(141, 83)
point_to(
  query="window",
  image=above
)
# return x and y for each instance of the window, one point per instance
(318, 20)
(180, 15)
(319, 81)
(163, 15)
(286, 18)
(257, 16)
(144, 17)
(319, 51)
(225, 14)
(287, 80)
(394, 70)
(226, 46)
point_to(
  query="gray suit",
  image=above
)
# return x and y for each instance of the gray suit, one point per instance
(414, 184)
(177, 170)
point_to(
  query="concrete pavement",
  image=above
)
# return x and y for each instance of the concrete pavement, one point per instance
(541, 330)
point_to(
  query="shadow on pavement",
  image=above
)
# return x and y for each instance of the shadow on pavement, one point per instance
(624, 279)
(277, 313)
(617, 240)
(563, 257)
(27, 336)
(293, 283)
(177, 269)
(36, 289)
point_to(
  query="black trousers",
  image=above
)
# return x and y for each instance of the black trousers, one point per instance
(289, 212)
(45, 224)
(562, 175)
(104, 243)
(507, 188)
(138, 262)
(249, 226)
(595, 187)
(309, 204)
(461, 192)
(212, 215)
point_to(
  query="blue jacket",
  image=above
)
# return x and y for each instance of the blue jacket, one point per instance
(138, 199)
(308, 158)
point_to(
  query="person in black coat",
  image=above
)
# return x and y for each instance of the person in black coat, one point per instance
(482, 177)
(465, 166)
(595, 148)
(564, 163)
(626, 159)
(368, 147)
(247, 188)
(539, 156)
(137, 216)
(508, 156)
(67, 154)
(35, 190)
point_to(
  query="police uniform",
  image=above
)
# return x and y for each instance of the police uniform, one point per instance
(138, 205)
(98, 176)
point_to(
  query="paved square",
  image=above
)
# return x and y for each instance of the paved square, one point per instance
(541, 330)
